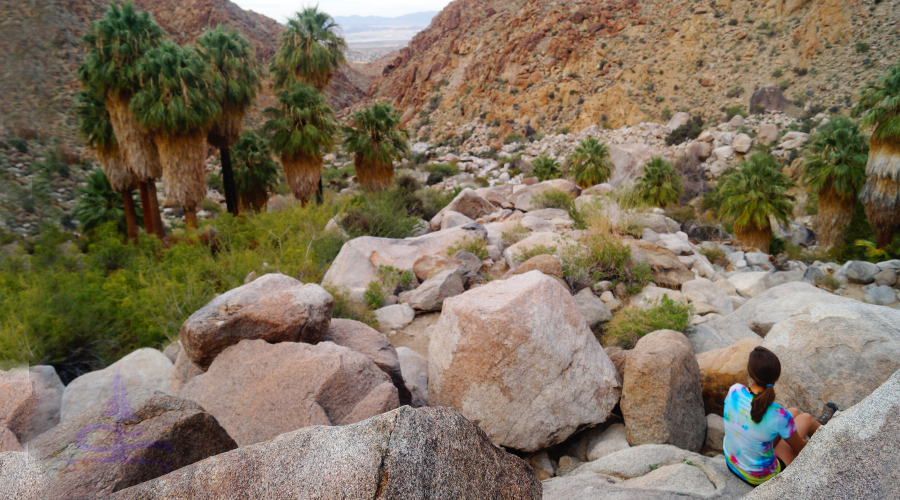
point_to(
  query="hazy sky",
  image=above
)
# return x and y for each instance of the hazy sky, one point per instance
(281, 9)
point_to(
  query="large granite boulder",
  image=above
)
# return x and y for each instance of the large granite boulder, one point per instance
(136, 436)
(525, 199)
(854, 456)
(628, 160)
(769, 98)
(592, 309)
(835, 352)
(649, 472)
(145, 368)
(662, 400)
(405, 454)
(30, 401)
(184, 371)
(8, 441)
(517, 358)
(22, 477)
(667, 269)
(258, 390)
(357, 263)
(705, 291)
(430, 296)
(468, 204)
(722, 368)
(274, 308)
(374, 345)
(414, 367)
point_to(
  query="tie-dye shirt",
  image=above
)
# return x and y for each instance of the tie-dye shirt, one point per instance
(750, 446)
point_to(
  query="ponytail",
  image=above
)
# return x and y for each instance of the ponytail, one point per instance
(765, 369)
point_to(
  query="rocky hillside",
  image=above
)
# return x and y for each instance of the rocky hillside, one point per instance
(553, 64)
(41, 52)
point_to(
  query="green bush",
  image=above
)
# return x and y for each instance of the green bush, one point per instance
(374, 297)
(554, 198)
(545, 168)
(777, 73)
(600, 256)
(660, 184)
(438, 172)
(687, 132)
(732, 111)
(736, 91)
(513, 137)
(534, 251)
(514, 235)
(628, 326)
(471, 244)
(666, 114)
(784, 84)
(862, 47)
(344, 308)
(715, 255)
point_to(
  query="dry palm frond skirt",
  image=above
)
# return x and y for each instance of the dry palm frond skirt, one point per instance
(754, 236)
(182, 157)
(120, 177)
(373, 175)
(302, 173)
(135, 142)
(227, 129)
(835, 213)
(881, 194)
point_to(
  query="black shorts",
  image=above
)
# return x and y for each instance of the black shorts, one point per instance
(781, 468)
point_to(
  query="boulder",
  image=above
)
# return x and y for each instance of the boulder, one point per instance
(718, 333)
(702, 288)
(667, 269)
(258, 390)
(715, 432)
(628, 160)
(674, 244)
(414, 367)
(524, 200)
(171, 351)
(854, 456)
(451, 219)
(651, 296)
(700, 149)
(8, 441)
(394, 317)
(611, 440)
(750, 284)
(795, 233)
(793, 140)
(723, 153)
(592, 309)
(736, 121)
(546, 240)
(742, 143)
(374, 345)
(835, 352)
(430, 295)
(722, 368)
(466, 263)
(30, 401)
(769, 98)
(618, 356)
(430, 266)
(779, 303)
(767, 133)
(145, 368)
(649, 472)
(861, 272)
(184, 371)
(274, 308)
(547, 264)
(22, 477)
(468, 204)
(137, 436)
(678, 119)
(886, 277)
(520, 347)
(662, 400)
(357, 263)
(537, 225)
(881, 296)
(403, 454)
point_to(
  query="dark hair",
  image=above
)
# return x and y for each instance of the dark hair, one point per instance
(765, 369)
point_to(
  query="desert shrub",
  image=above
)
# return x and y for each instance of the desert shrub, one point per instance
(862, 47)
(545, 168)
(395, 280)
(784, 84)
(666, 114)
(534, 251)
(514, 235)
(471, 244)
(683, 213)
(828, 282)
(628, 326)
(736, 91)
(432, 201)
(715, 255)
(687, 132)
(777, 73)
(732, 111)
(344, 308)
(438, 172)
(554, 198)
(377, 215)
(374, 296)
(513, 137)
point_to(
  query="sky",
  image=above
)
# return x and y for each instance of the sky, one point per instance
(279, 10)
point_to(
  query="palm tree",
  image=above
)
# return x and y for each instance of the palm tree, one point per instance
(115, 45)
(545, 168)
(179, 102)
(752, 194)
(660, 184)
(100, 203)
(836, 169)
(310, 51)
(232, 56)
(376, 140)
(881, 193)
(96, 130)
(590, 163)
(255, 172)
(302, 130)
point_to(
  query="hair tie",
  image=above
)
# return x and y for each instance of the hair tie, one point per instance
(769, 385)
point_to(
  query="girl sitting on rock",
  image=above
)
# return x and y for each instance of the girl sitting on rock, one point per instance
(761, 437)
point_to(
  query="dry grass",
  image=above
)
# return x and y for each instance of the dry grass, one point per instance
(302, 173)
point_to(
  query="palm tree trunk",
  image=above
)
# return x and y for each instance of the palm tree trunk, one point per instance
(130, 217)
(182, 157)
(145, 205)
(190, 216)
(302, 173)
(228, 182)
(835, 213)
(881, 193)
(158, 227)
(373, 175)
(755, 236)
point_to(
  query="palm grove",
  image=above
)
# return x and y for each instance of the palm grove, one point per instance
(150, 109)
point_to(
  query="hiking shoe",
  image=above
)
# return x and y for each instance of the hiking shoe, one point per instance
(827, 412)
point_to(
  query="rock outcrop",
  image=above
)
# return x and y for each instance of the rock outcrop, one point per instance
(30, 401)
(516, 358)
(414, 367)
(722, 368)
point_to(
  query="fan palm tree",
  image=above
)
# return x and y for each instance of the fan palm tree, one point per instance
(96, 130)
(881, 193)
(115, 45)
(660, 185)
(231, 55)
(752, 194)
(99, 203)
(376, 140)
(302, 130)
(545, 168)
(590, 163)
(179, 102)
(310, 50)
(836, 169)
(255, 172)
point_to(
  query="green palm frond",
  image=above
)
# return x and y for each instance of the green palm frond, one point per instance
(590, 163)
(837, 158)
(376, 134)
(880, 102)
(254, 167)
(303, 122)
(660, 185)
(94, 126)
(756, 191)
(311, 50)
(232, 57)
(115, 45)
(180, 93)
(545, 168)
(99, 204)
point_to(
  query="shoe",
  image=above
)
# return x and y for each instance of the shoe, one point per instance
(828, 411)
